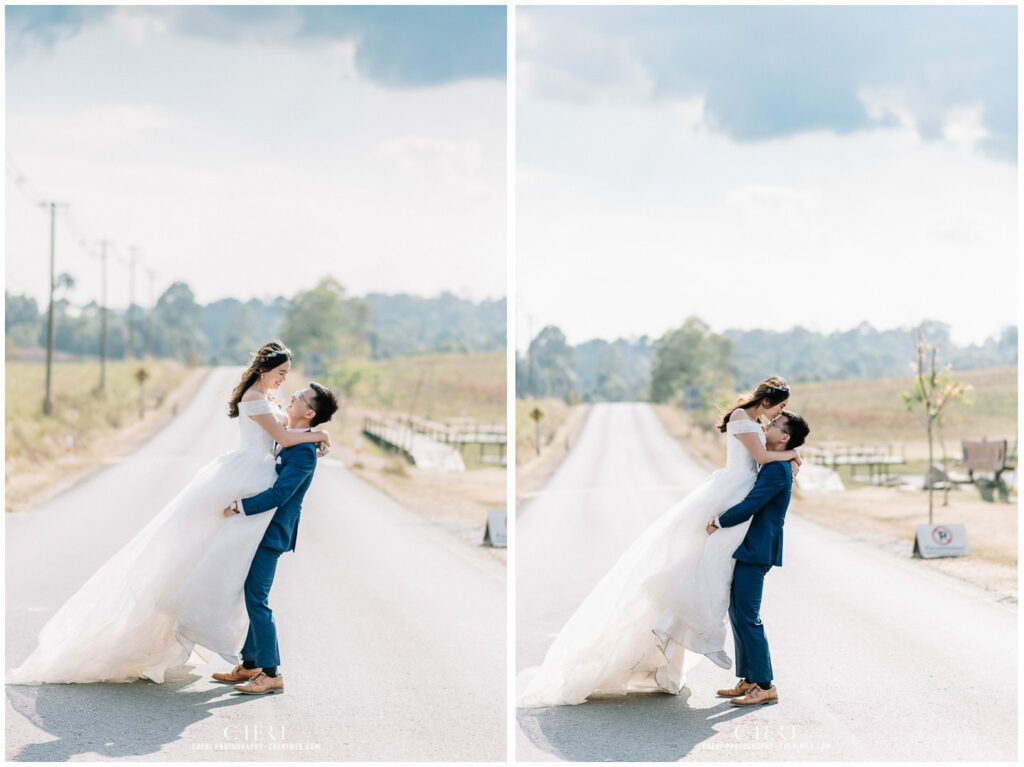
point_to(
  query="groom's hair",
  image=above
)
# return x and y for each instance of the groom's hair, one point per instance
(796, 427)
(324, 403)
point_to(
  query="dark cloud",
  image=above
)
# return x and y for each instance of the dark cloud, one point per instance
(47, 25)
(397, 46)
(774, 71)
(417, 45)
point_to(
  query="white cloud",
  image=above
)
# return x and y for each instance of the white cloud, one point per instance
(253, 168)
(963, 126)
(627, 225)
(139, 24)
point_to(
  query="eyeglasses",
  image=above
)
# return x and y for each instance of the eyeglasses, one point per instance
(298, 395)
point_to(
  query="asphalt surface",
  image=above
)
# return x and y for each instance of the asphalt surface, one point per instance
(876, 656)
(392, 631)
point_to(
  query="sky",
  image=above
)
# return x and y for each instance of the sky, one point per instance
(765, 167)
(251, 151)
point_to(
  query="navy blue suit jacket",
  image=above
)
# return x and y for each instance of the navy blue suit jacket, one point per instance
(294, 474)
(766, 502)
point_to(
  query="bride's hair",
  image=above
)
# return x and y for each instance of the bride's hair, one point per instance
(267, 358)
(771, 391)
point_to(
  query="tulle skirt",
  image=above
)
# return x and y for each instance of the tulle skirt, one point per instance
(667, 593)
(175, 587)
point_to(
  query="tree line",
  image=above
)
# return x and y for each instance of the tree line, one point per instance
(694, 364)
(321, 323)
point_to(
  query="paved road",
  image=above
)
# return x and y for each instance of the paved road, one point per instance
(876, 657)
(392, 631)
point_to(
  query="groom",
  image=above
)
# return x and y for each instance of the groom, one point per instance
(309, 407)
(761, 549)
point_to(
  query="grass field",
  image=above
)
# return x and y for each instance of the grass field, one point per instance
(872, 411)
(101, 425)
(434, 386)
(439, 387)
(555, 412)
(79, 410)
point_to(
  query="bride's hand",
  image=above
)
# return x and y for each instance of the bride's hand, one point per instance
(326, 441)
(794, 465)
(321, 449)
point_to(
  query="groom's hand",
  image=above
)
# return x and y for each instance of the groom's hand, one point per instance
(229, 512)
(710, 528)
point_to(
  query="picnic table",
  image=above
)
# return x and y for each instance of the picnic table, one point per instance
(877, 459)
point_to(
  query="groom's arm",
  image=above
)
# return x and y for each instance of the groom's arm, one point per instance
(771, 480)
(300, 464)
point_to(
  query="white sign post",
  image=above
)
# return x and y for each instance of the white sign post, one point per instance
(941, 541)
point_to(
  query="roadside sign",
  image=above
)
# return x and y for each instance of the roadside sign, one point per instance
(495, 534)
(941, 541)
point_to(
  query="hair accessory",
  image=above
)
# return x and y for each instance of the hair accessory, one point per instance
(276, 353)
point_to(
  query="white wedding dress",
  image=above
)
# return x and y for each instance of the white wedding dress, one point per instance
(667, 593)
(174, 587)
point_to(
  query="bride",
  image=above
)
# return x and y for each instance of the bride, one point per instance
(177, 583)
(669, 591)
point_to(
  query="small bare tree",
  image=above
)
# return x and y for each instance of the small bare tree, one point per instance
(934, 389)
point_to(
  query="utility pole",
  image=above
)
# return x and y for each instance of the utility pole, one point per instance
(103, 318)
(48, 400)
(134, 254)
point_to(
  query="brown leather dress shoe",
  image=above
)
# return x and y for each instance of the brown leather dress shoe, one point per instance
(757, 696)
(261, 684)
(741, 688)
(237, 674)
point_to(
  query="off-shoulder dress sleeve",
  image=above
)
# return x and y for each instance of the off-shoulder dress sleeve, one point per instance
(743, 426)
(254, 407)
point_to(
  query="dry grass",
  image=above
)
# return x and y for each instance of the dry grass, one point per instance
(434, 386)
(532, 470)
(873, 412)
(36, 462)
(457, 502)
(555, 412)
(887, 516)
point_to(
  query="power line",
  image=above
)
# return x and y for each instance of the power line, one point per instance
(21, 181)
(85, 244)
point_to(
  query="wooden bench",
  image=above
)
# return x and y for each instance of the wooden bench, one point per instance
(987, 457)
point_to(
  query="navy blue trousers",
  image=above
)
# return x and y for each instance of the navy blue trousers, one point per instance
(753, 661)
(261, 641)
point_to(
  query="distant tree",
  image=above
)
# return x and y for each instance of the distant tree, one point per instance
(325, 323)
(610, 384)
(552, 359)
(690, 356)
(237, 340)
(177, 321)
(22, 321)
(934, 389)
(1007, 344)
(404, 325)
